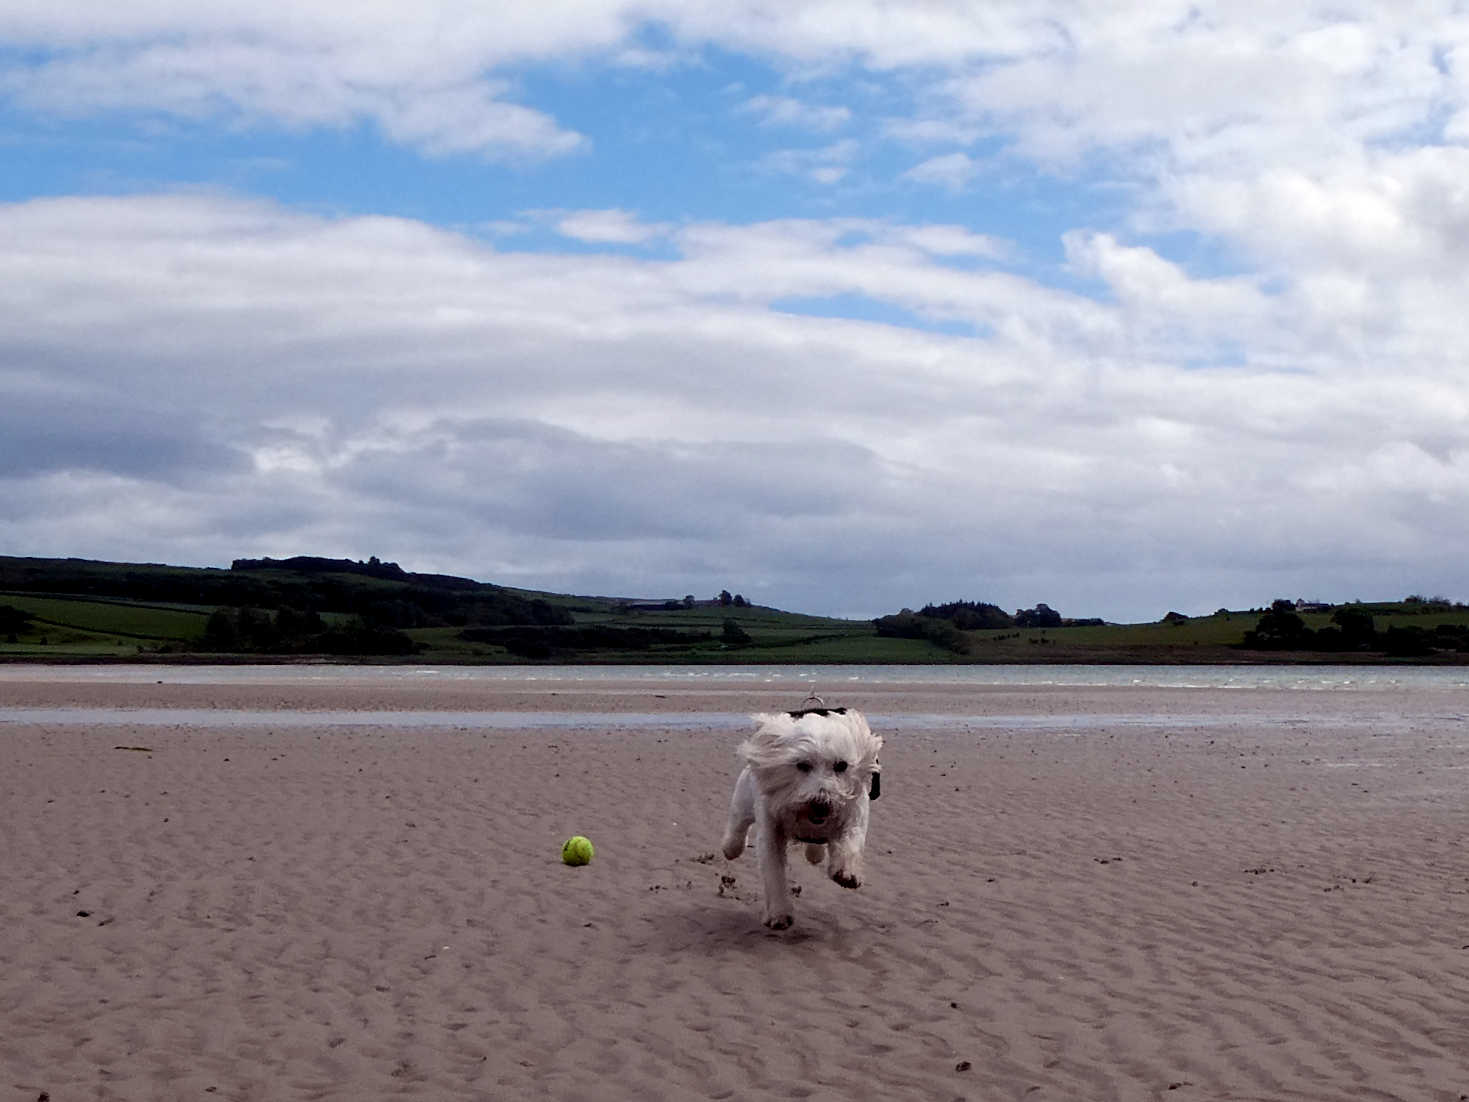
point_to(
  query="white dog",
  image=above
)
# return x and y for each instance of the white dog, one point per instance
(809, 776)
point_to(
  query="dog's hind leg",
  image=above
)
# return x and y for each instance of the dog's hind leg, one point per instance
(771, 844)
(741, 816)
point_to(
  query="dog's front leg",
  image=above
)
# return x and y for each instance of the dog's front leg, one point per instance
(779, 908)
(741, 815)
(844, 861)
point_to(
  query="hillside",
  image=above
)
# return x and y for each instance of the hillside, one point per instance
(79, 610)
(342, 609)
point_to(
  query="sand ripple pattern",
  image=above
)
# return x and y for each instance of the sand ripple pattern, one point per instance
(1231, 913)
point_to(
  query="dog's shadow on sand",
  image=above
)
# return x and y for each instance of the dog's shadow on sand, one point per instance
(735, 926)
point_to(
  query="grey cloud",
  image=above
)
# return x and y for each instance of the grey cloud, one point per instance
(42, 434)
(254, 382)
(193, 378)
(557, 484)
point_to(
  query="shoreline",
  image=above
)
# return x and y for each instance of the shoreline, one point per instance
(1211, 656)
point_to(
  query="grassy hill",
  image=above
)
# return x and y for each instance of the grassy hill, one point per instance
(264, 610)
(72, 609)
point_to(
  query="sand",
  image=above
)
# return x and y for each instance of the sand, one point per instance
(1161, 894)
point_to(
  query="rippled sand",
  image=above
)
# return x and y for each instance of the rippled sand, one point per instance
(1079, 894)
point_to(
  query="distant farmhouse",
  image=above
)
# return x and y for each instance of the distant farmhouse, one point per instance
(1303, 605)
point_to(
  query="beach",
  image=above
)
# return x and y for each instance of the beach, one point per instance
(1072, 893)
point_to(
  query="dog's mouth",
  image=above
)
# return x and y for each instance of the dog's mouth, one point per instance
(814, 822)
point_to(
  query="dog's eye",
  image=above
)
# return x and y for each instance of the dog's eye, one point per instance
(840, 767)
(804, 766)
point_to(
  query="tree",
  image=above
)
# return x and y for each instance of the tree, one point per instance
(13, 620)
(908, 624)
(1280, 629)
(358, 637)
(969, 615)
(1409, 642)
(1042, 616)
(725, 599)
(734, 635)
(219, 631)
(1357, 629)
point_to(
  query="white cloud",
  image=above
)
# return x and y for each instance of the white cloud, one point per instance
(255, 85)
(954, 171)
(931, 131)
(1255, 343)
(424, 84)
(785, 111)
(882, 35)
(1162, 303)
(607, 227)
(951, 240)
(568, 420)
(1190, 84)
(828, 164)
(469, 119)
(1131, 76)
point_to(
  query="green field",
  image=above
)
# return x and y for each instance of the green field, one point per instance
(78, 626)
(68, 609)
(115, 618)
(775, 637)
(82, 627)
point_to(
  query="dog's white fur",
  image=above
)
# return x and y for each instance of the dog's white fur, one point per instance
(806, 779)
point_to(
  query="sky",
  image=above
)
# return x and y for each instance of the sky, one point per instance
(842, 305)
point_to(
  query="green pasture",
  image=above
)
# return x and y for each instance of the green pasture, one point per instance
(774, 638)
(1381, 621)
(151, 623)
(712, 617)
(1216, 630)
(65, 643)
(841, 649)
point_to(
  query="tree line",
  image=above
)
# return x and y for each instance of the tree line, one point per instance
(944, 625)
(1352, 628)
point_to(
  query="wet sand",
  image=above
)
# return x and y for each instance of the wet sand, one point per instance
(1256, 894)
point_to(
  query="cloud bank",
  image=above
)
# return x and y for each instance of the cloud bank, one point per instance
(1150, 308)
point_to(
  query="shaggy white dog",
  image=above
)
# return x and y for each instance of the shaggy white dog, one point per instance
(809, 776)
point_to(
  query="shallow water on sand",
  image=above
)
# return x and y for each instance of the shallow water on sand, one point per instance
(1401, 697)
(1325, 678)
(1063, 724)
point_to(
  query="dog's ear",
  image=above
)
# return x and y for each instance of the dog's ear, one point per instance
(875, 789)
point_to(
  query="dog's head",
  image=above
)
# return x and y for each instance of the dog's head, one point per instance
(813, 767)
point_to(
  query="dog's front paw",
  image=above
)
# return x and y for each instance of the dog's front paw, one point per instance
(847, 878)
(781, 921)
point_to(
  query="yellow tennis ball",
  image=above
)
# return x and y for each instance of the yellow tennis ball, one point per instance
(577, 850)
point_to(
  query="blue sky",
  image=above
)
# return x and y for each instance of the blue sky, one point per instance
(845, 306)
